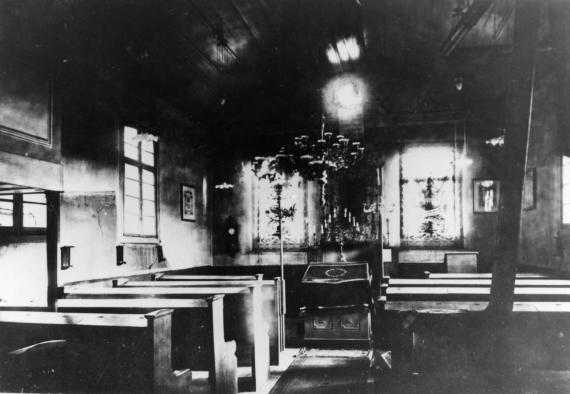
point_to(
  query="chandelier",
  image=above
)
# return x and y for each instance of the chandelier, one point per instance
(314, 159)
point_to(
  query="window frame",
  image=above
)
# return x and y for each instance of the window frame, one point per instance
(256, 239)
(17, 227)
(141, 166)
(562, 173)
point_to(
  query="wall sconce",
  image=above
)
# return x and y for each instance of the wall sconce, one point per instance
(497, 141)
(224, 186)
(458, 83)
(120, 255)
(160, 254)
(65, 257)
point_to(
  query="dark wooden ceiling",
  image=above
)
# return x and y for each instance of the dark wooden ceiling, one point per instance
(270, 72)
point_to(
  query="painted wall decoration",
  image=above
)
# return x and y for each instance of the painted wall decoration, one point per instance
(188, 203)
(430, 196)
(25, 103)
(293, 202)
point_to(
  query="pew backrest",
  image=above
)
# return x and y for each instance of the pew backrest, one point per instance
(522, 282)
(482, 275)
(154, 366)
(207, 277)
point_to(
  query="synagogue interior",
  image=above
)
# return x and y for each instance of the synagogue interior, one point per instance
(285, 196)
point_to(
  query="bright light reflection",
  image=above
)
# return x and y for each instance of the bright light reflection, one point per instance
(344, 97)
(346, 49)
(332, 55)
(343, 51)
(352, 48)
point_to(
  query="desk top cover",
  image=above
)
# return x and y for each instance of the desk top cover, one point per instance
(335, 273)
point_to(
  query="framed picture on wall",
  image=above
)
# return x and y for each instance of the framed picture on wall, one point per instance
(486, 195)
(187, 203)
(529, 189)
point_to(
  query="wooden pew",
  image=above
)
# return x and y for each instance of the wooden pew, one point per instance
(222, 360)
(522, 282)
(473, 306)
(154, 372)
(273, 303)
(486, 275)
(534, 294)
(207, 277)
(257, 338)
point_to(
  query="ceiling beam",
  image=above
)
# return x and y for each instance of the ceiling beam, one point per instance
(465, 24)
(243, 21)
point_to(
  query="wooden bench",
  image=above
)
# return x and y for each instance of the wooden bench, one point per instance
(519, 282)
(207, 277)
(221, 354)
(101, 336)
(474, 306)
(483, 275)
(273, 302)
(534, 294)
(252, 323)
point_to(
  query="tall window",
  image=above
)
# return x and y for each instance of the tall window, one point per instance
(139, 184)
(566, 189)
(430, 196)
(23, 212)
(265, 199)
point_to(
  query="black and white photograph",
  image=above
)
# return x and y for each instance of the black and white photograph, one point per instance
(188, 202)
(285, 196)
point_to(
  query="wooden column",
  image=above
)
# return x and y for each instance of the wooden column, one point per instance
(518, 115)
(52, 235)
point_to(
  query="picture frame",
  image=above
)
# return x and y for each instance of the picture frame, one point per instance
(529, 189)
(26, 103)
(187, 203)
(486, 195)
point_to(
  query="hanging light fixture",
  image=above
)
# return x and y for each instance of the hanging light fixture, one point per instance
(313, 159)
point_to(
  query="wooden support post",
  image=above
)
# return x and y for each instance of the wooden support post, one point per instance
(518, 115)
(223, 371)
(52, 235)
(260, 340)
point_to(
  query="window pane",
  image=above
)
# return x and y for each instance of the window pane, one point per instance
(34, 215)
(132, 224)
(148, 146)
(149, 208)
(148, 192)
(6, 213)
(7, 197)
(131, 151)
(130, 135)
(149, 225)
(132, 188)
(148, 158)
(148, 177)
(132, 205)
(36, 197)
(131, 172)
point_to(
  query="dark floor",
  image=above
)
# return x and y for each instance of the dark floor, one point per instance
(472, 353)
(319, 371)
